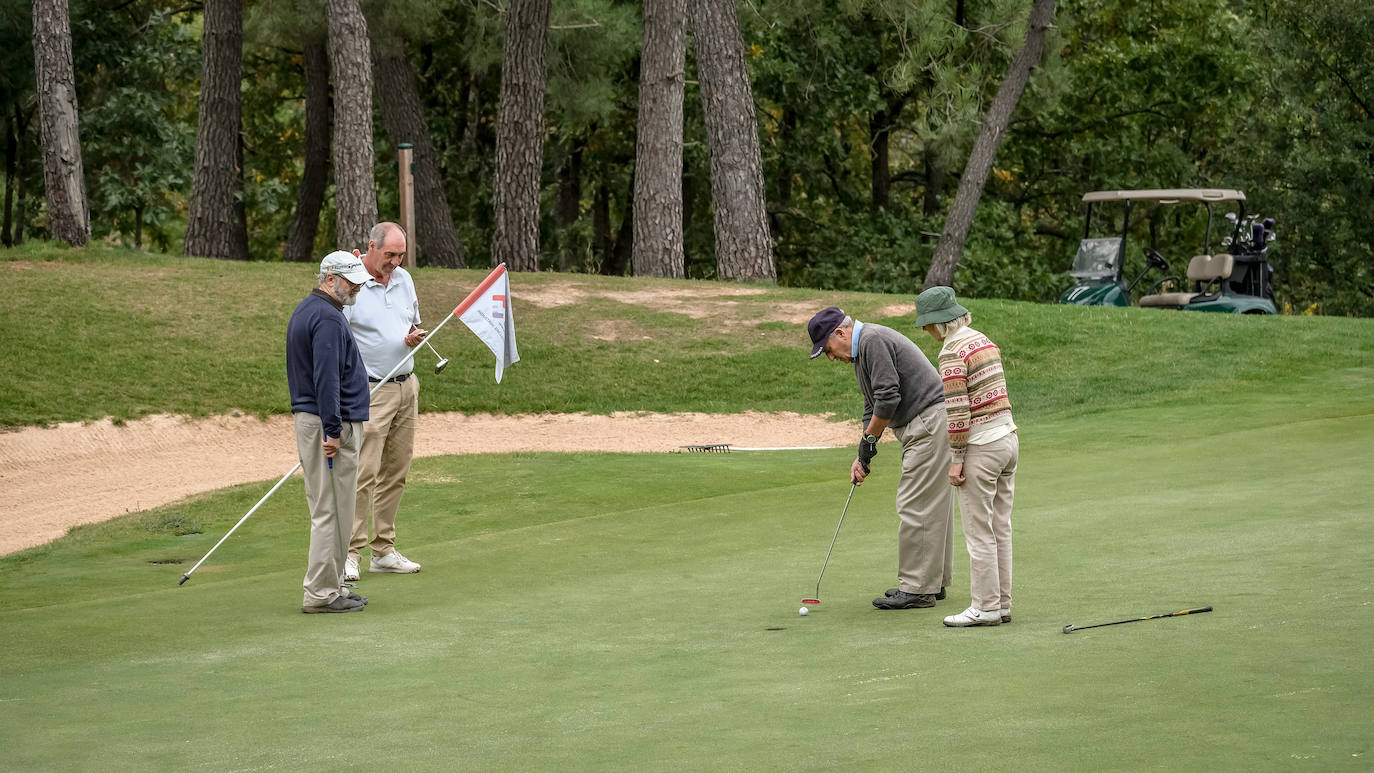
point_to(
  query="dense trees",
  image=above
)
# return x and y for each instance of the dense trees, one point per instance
(951, 244)
(866, 114)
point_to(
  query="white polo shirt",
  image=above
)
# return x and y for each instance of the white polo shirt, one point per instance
(381, 319)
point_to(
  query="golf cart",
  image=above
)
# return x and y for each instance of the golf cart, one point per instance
(1237, 280)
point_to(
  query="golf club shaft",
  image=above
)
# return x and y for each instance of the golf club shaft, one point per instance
(431, 348)
(852, 486)
(1198, 610)
(254, 509)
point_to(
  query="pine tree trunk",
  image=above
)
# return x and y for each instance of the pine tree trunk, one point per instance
(69, 218)
(879, 165)
(622, 252)
(744, 245)
(214, 228)
(520, 136)
(880, 126)
(435, 236)
(658, 249)
(11, 164)
(569, 208)
(934, 185)
(601, 227)
(979, 164)
(305, 223)
(355, 192)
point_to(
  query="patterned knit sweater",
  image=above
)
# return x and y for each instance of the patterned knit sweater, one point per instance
(975, 388)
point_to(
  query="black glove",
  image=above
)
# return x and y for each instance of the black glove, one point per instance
(868, 448)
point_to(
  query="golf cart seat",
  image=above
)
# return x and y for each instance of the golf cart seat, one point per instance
(1202, 269)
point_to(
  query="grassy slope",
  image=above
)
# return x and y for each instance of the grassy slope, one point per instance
(99, 333)
(601, 611)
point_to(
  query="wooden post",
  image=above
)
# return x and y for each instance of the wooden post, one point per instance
(407, 180)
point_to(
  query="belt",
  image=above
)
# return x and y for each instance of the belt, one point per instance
(397, 379)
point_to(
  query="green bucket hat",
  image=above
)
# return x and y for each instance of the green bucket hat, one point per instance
(937, 305)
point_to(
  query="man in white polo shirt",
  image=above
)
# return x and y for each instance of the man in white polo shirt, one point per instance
(386, 325)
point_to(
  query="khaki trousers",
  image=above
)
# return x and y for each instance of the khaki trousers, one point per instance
(330, 513)
(925, 504)
(985, 510)
(388, 444)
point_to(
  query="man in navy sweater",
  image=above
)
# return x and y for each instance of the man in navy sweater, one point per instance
(329, 400)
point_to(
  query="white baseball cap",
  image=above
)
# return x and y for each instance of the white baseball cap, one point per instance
(346, 265)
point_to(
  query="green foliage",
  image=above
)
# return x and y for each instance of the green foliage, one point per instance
(138, 135)
(1273, 98)
(831, 248)
(1309, 145)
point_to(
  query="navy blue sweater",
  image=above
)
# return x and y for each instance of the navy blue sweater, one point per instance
(324, 368)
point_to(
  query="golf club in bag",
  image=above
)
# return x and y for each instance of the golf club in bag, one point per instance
(817, 598)
(457, 312)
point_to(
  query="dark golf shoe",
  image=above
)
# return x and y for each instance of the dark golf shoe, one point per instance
(903, 600)
(892, 591)
(339, 604)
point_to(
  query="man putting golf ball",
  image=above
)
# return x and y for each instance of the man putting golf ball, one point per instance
(902, 392)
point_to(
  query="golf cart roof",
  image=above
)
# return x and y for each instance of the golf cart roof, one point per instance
(1167, 195)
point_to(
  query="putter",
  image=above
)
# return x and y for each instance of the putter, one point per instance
(817, 598)
(442, 363)
(1071, 627)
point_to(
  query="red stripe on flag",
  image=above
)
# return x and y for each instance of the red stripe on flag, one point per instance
(481, 288)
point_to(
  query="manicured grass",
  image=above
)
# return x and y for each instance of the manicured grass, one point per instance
(612, 612)
(100, 332)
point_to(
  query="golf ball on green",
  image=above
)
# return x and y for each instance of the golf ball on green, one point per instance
(801, 611)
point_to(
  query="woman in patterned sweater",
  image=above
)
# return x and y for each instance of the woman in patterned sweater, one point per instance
(984, 450)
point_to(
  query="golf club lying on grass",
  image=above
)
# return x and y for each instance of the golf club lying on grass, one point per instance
(817, 598)
(457, 313)
(443, 361)
(1070, 628)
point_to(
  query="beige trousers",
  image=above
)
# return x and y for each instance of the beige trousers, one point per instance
(985, 510)
(388, 444)
(925, 504)
(327, 492)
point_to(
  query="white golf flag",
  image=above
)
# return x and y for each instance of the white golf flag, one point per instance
(490, 316)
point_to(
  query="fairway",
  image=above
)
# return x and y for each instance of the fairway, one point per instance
(613, 612)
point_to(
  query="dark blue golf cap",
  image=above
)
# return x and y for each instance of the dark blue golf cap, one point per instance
(821, 326)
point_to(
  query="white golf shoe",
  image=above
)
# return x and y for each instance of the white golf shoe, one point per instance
(1005, 614)
(393, 562)
(971, 617)
(350, 569)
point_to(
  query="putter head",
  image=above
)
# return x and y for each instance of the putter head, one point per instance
(1068, 628)
(811, 601)
(439, 366)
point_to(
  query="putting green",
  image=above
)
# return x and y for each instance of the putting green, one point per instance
(617, 612)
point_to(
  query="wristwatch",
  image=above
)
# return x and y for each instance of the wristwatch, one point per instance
(870, 438)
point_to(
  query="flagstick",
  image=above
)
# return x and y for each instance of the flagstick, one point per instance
(457, 312)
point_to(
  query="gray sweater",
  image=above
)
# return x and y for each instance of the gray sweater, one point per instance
(896, 379)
